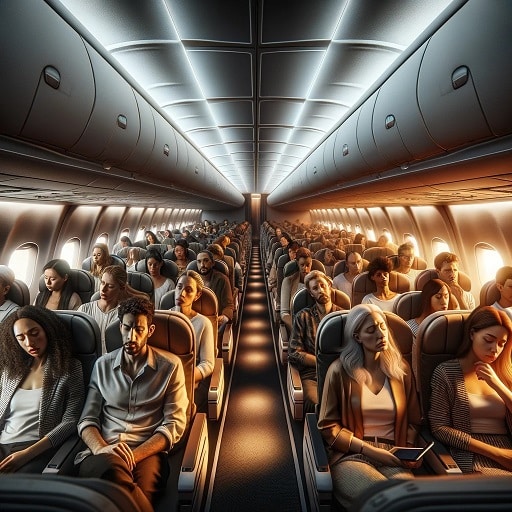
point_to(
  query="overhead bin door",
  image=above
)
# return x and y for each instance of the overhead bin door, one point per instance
(398, 126)
(348, 160)
(315, 170)
(365, 140)
(113, 129)
(459, 57)
(47, 86)
(146, 140)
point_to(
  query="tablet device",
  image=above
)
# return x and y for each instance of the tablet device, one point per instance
(410, 454)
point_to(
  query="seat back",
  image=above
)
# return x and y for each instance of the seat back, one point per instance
(408, 305)
(169, 255)
(218, 265)
(173, 333)
(81, 281)
(115, 260)
(353, 247)
(489, 293)
(438, 340)
(19, 293)
(417, 264)
(363, 285)
(373, 252)
(340, 267)
(431, 273)
(141, 282)
(302, 299)
(169, 269)
(123, 253)
(292, 266)
(195, 246)
(85, 338)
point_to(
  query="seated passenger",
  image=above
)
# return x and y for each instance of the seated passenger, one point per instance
(181, 255)
(295, 282)
(384, 241)
(151, 238)
(360, 239)
(354, 266)
(471, 401)
(59, 293)
(378, 272)
(133, 258)
(131, 449)
(302, 345)
(405, 262)
(369, 404)
(447, 266)
(161, 284)
(114, 288)
(504, 286)
(6, 280)
(41, 389)
(219, 284)
(188, 289)
(291, 253)
(100, 260)
(124, 241)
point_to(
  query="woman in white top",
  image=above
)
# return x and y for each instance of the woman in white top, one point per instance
(161, 284)
(378, 272)
(113, 289)
(41, 389)
(188, 289)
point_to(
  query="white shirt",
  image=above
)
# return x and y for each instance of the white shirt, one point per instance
(340, 282)
(385, 305)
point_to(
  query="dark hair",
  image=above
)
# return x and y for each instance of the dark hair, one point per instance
(379, 263)
(206, 251)
(63, 269)
(154, 238)
(105, 261)
(136, 306)
(406, 246)
(126, 240)
(358, 238)
(445, 257)
(156, 255)
(303, 252)
(14, 360)
(430, 289)
(503, 274)
(182, 242)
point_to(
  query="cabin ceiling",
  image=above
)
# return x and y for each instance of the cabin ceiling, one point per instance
(255, 85)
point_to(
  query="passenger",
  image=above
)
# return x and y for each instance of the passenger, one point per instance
(6, 281)
(124, 241)
(471, 401)
(360, 239)
(369, 404)
(41, 389)
(113, 289)
(384, 241)
(291, 253)
(130, 449)
(59, 293)
(100, 260)
(188, 289)
(218, 255)
(291, 284)
(151, 238)
(181, 255)
(219, 284)
(354, 266)
(186, 235)
(302, 345)
(504, 286)
(447, 266)
(161, 284)
(405, 262)
(378, 272)
(134, 256)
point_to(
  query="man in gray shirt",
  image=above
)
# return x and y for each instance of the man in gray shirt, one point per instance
(135, 409)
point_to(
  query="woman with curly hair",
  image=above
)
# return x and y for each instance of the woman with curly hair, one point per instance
(41, 389)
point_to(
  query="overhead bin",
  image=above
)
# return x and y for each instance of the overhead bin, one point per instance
(47, 86)
(113, 128)
(315, 169)
(369, 151)
(146, 140)
(398, 128)
(348, 160)
(464, 81)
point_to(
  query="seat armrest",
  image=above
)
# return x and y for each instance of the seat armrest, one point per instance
(227, 343)
(295, 377)
(62, 462)
(317, 443)
(216, 390)
(439, 457)
(283, 342)
(194, 443)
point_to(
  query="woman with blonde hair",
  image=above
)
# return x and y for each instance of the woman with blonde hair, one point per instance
(369, 405)
(100, 260)
(114, 288)
(471, 401)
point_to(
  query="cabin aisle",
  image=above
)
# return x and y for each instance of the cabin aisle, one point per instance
(255, 468)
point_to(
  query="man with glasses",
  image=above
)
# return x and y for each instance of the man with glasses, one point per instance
(405, 262)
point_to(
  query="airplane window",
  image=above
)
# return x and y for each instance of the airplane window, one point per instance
(125, 232)
(23, 262)
(102, 239)
(71, 252)
(439, 245)
(140, 233)
(387, 234)
(488, 259)
(370, 234)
